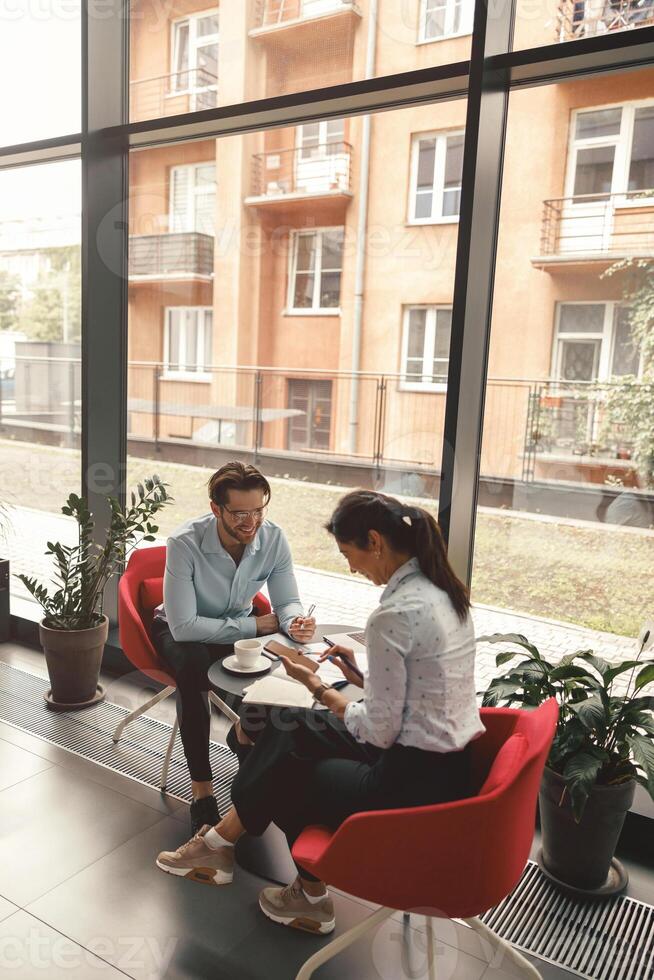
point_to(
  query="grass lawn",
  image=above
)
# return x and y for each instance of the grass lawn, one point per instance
(600, 577)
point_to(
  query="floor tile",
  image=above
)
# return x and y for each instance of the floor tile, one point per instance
(187, 930)
(30, 949)
(507, 970)
(56, 823)
(17, 764)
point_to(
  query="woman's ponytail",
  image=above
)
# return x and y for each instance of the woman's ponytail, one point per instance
(434, 564)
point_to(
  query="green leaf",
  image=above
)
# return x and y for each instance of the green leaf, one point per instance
(580, 773)
(646, 676)
(642, 749)
(571, 672)
(592, 714)
(516, 638)
(621, 668)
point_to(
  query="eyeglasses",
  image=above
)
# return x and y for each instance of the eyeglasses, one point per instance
(243, 516)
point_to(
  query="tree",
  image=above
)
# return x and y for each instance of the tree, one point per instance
(9, 299)
(53, 310)
(630, 401)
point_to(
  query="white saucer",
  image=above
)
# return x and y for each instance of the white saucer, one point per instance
(231, 665)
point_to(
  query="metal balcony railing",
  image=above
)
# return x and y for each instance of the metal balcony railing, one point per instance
(177, 255)
(272, 13)
(311, 171)
(169, 95)
(588, 18)
(599, 224)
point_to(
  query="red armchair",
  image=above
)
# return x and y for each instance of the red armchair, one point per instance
(454, 860)
(140, 591)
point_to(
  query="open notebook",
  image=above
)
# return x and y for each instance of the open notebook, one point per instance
(284, 692)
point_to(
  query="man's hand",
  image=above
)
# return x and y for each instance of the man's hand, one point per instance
(302, 629)
(267, 624)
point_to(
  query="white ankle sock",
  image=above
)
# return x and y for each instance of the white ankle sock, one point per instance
(314, 899)
(214, 840)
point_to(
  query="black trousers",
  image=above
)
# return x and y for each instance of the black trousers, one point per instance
(305, 768)
(190, 662)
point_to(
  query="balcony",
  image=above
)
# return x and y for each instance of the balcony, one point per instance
(170, 95)
(273, 16)
(282, 176)
(588, 18)
(177, 255)
(595, 228)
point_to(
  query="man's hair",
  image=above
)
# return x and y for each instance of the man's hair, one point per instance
(237, 476)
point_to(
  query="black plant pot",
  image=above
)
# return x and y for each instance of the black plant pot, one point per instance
(581, 854)
(4, 600)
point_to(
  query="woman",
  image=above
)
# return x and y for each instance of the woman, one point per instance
(403, 745)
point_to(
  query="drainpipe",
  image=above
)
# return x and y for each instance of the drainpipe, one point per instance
(362, 233)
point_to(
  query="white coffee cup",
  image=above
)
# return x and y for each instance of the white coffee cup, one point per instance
(247, 652)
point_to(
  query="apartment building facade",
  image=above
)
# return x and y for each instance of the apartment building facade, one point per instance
(292, 289)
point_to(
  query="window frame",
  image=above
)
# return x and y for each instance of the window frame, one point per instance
(168, 374)
(425, 386)
(290, 309)
(607, 338)
(440, 158)
(190, 212)
(623, 142)
(467, 17)
(192, 20)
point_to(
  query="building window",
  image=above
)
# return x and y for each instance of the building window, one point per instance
(426, 347)
(194, 68)
(594, 343)
(317, 262)
(193, 198)
(187, 342)
(436, 171)
(320, 139)
(612, 151)
(445, 18)
(309, 426)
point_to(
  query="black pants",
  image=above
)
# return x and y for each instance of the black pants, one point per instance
(305, 768)
(190, 663)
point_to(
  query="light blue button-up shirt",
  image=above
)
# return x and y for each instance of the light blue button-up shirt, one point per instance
(208, 597)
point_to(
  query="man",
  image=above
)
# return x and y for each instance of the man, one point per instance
(215, 566)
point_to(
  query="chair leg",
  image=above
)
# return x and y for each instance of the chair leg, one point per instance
(502, 948)
(220, 704)
(169, 752)
(120, 728)
(338, 945)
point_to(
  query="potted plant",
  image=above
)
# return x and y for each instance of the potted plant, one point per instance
(74, 629)
(603, 746)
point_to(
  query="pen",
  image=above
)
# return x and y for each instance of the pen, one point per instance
(345, 659)
(311, 608)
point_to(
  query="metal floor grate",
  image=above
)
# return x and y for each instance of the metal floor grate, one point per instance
(140, 752)
(600, 940)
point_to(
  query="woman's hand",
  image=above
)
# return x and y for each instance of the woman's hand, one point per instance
(302, 629)
(301, 673)
(343, 658)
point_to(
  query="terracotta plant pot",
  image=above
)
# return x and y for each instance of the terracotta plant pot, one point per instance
(580, 854)
(73, 658)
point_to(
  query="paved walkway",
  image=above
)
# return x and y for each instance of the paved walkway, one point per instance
(340, 598)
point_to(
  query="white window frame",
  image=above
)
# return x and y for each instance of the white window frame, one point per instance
(623, 142)
(195, 190)
(426, 385)
(467, 16)
(314, 309)
(441, 137)
(324, 140)
(194, 42)
(606, 338)
(182, 374)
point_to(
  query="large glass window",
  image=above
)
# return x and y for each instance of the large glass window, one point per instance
(445, 18)
(40, 70)
(565, 443)
(426, 346)
(40, 370)
(315, 276)
(437, 165)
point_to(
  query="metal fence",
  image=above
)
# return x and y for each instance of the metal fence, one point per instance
(168, 95)
(312, 170)
(533, 429)
(588, 18)
(270, 13)
(614, 224)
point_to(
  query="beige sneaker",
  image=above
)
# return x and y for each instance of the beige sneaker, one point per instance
(199, 862)
(289, 907)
